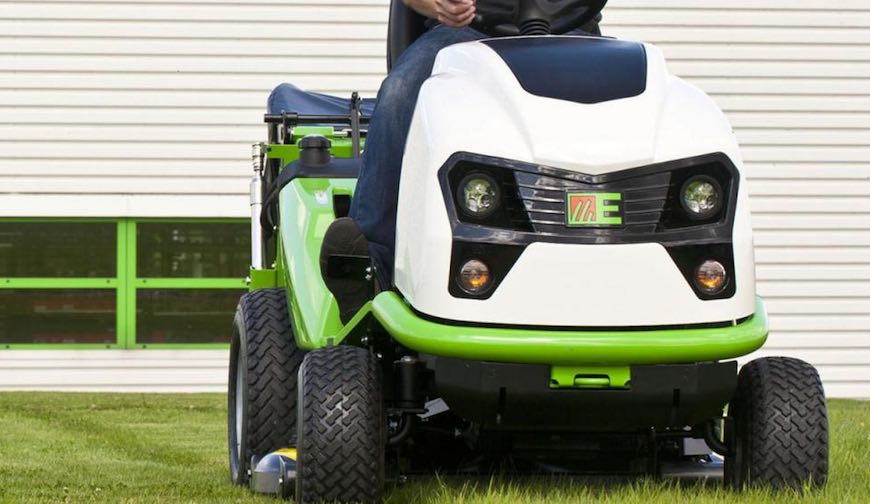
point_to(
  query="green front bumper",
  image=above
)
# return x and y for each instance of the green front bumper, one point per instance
(568, 347)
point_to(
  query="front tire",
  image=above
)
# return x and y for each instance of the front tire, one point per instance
(341, 427)
(779, 437)
(264, 362)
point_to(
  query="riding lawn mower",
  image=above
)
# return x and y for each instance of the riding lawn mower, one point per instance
(574, 279)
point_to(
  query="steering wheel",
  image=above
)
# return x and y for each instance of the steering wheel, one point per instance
(539, 17)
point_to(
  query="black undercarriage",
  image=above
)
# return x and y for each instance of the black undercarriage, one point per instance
(506, 419)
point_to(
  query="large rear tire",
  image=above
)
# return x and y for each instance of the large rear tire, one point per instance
(780, 426)
(264, 362)
(341, 426)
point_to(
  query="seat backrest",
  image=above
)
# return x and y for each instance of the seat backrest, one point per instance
(405, 27)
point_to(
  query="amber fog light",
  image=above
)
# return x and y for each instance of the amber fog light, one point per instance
(474, 277)
(711, 277)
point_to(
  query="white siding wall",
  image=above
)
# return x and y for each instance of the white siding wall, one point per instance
(128, 108)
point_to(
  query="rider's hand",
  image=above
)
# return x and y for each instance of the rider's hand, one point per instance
(453, 13)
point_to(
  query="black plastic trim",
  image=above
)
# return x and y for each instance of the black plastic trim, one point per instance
(500, 259)
(666, 230)
(687, 240)
(518, 396)
(689, 257)
(671, 327)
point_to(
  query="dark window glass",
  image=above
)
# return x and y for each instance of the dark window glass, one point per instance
(185, 315)
(193, 250)
(57, 316)
(58, 249)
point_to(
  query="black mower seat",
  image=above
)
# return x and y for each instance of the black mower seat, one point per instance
(289, 98)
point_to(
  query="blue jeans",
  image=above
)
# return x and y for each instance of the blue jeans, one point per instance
(377, 190)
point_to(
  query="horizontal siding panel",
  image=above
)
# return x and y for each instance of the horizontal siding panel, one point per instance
(744, 86)
(132, 133)
(765, 52)
(131, 116)
(778, 238)
(344, 3)
(147, 184)
(800, 137)
(820, 188)
(827, 304)
(785, 340)
(115, 370)
(734, 34)
(852, 388)
(214, 48)
(785, 272)
(807, 255)
(799, 205)
(287, 30)
(117, 377)
(175, 204)
(194, 65)
(121, 168)
(167, 90)
(829, 359)
(676, 17)
(800, 322)
(769, 5)
(788, 170)
(819, 223)
(164, 149)
(106, 386)
(796, 103)
(789, 119)
(310, 13)
(802, 289)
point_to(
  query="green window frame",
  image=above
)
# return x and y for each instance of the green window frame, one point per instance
(126, 284)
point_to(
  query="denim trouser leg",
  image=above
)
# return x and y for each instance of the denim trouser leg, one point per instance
(377, 191)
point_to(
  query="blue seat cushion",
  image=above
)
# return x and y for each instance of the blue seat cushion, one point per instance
(289, 98)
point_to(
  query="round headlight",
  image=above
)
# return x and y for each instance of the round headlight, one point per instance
(478, 195)
(711, 277)
(701, 197)
(474, 277)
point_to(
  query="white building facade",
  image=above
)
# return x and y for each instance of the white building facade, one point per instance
(130, 123)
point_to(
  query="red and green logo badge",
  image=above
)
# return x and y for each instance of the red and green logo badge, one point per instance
(594, 209)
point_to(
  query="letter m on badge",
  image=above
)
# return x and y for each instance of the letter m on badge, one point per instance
(593, 209)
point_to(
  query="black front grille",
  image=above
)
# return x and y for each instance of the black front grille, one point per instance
(543, 196)
(534, 201)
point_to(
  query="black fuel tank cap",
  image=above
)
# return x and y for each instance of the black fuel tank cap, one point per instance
(314, 150)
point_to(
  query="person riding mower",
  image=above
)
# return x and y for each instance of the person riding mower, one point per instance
(573, 277)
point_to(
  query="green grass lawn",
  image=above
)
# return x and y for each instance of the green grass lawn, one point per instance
(172, 448)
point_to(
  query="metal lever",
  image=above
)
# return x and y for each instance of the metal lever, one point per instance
(355, 104)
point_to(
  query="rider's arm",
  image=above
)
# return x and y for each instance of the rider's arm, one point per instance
(454, 13)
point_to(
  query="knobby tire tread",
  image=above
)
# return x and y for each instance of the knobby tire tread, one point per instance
(781, 424)
(341, 427)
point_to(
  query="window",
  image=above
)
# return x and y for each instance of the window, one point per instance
(58, 316)
(188, 280)
(192, 250)
(120, 283)
(57, 250)
(184, 315)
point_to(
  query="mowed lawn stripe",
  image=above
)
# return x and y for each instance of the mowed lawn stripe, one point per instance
(137, 448)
